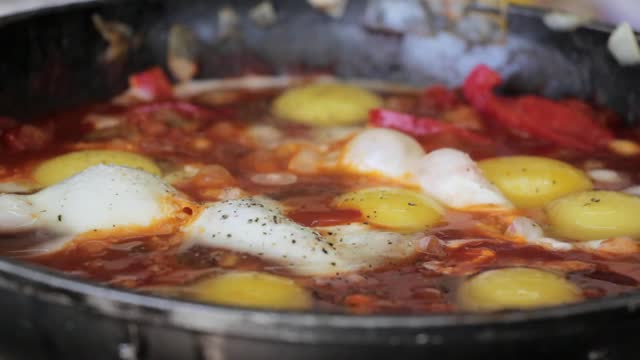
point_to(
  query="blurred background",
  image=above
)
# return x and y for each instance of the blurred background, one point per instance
(612, 11)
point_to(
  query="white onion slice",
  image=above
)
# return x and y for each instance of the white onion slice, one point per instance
(623, 45)
(249, 82)
(274, 179)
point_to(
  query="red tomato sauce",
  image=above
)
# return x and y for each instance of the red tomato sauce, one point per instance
(175, 134)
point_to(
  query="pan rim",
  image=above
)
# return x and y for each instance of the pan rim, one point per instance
(61, 289)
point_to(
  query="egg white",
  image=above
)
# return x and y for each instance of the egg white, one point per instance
(103, 197)
(448, 175)
(256, 226)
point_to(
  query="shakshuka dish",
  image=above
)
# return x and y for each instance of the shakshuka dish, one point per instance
(310, 193)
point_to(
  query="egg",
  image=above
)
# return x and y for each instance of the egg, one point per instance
(393, 208)
(533, 181)
(516, 288)
(382, 152)
(130, 201)
(448, 175)
(103, 197)
(454, 179)
(359, 247)
(61, 167)
(593, 215)
(253, 290)
(325, 104)
(257, 226)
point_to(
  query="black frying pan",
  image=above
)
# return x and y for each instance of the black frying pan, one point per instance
(50, 60)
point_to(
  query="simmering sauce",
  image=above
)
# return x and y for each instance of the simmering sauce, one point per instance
(241, 148)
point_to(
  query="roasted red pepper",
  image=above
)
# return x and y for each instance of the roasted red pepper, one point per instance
(441, 98)
(557, 122)
(420, 126)
(153, 83)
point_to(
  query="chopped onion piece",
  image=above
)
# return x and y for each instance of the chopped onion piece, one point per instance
(533, 234)
(274, 179)
(632, 190)
(182, 53)
(563, 21)
(552, 244)
(306, 161)
(184, 174)
(525, 228)
(228, 21)
(101, 121)
(592, 244)
(250, 82)
(454, 244)
(333, 8)
(328, 135)
(432, 246)
(264, 14)
(623, 45)
(395, 16)
(605, 176)
(265, 135)
(232, 193)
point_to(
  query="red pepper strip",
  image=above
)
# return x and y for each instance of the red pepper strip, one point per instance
(557, 122)
(152, 82)
(422, 126)
(187, 109)
(441, 98)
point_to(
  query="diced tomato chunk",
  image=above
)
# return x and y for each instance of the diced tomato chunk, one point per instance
(27, 137)
(153, 83)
